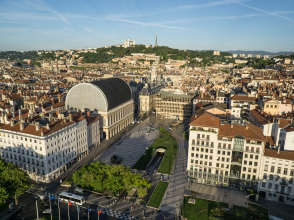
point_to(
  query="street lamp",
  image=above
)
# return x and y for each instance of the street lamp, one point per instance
(36, 198)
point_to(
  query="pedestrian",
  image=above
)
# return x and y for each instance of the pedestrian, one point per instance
(131, 207)
(225, 194)
(163, 217)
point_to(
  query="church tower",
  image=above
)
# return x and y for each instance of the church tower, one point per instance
(156, 41)
(153, 74)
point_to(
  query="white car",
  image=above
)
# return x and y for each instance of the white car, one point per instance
(47, 211)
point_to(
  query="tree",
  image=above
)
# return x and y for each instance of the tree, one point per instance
(3, 195)
(13, 180)
(116, 178)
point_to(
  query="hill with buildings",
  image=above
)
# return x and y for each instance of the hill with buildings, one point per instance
(259, 52)
(107, 54)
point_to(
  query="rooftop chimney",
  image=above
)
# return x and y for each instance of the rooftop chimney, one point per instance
(278, 152)
(21, 126)
(232, 126)
(70, 117)
(279, 121)
(37, 126)
(246, 127)
(12, 122)
(19, 113)
(47, 126)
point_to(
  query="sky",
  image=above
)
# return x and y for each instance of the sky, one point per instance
(196, 25)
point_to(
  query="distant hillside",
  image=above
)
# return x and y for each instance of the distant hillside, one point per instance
(260, 52)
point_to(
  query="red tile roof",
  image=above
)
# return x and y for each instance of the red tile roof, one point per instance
(243, 98)
(288, 155)
(250, 132)
(206, 120)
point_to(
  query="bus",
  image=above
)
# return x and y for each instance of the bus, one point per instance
(79, 200)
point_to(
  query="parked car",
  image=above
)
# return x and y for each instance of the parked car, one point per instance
(116, 159)
(47, 211)
(42, 196)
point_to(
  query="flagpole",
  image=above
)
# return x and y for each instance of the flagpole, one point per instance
(68, 210)
(37, 209)
(50, 205)
(88, 213)
(58, 209)
(78, 212)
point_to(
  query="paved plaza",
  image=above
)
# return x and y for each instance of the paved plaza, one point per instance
(132, 146)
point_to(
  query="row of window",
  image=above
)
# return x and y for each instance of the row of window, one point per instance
(277, 178)
(279, 170)
(280, 162)
(271, 106)
(276, 187)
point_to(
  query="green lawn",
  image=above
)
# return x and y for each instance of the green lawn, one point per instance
(260, 210)
(158, 194)
(166, 141)
(200, 210)
(253, 211)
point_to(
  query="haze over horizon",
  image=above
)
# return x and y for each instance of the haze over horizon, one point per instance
(223, 25)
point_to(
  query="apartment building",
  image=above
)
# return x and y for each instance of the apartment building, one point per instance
(271, 106)
(241, 104)
(224, 153)
(174, 105)
(93, 130)
(44, 149)
(276, 176)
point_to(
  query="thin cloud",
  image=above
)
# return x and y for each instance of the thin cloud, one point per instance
(270, 13)
(230, 17)
(190, 7)
(152, 24)
(42, 6)
(89, 30)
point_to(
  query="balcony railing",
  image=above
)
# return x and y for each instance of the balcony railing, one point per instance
(283, 183)
(203, 139)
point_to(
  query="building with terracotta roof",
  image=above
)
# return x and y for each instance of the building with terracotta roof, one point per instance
(224, 153)
(44, 146)
(276, 176)
(241, 104)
